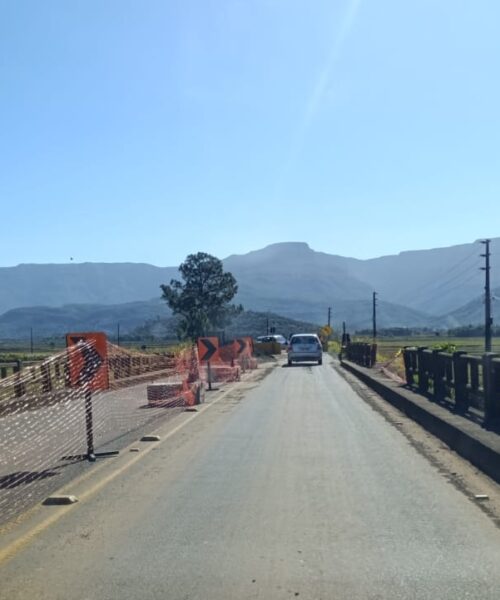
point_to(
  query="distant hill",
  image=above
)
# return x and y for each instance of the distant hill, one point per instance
(49, 321)
(415, 288)
(137, 320)
(472, 313)
(154, 318)
(86, 283)
(247, 323)
(436, 281)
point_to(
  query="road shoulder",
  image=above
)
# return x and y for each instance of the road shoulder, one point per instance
(460, 473)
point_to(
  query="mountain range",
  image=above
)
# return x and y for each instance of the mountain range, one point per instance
(437, 288)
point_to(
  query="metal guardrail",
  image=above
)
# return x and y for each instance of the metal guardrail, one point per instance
(465, 380)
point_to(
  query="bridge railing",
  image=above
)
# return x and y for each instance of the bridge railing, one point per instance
(361, 353)
(467, 381)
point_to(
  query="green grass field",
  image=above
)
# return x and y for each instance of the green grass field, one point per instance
(20, 351)
(390, 346)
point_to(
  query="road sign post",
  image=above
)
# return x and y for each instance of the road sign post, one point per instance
(208, 350)
(209, 376)
(88, 371)
(89, 425)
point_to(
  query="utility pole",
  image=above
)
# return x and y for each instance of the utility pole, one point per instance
(31, 339)
(118, 334)
(374, 315)
(487, 297)
(329, 315)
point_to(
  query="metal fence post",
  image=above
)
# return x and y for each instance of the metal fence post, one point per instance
(209, 375)
(89, 425)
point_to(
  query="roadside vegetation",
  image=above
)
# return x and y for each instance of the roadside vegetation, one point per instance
(23, 356)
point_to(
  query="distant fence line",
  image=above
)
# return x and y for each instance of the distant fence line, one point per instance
(55, 344)
(8, 368)
(43, 378)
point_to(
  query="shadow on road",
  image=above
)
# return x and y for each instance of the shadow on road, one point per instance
(19, 478)
(293, 365)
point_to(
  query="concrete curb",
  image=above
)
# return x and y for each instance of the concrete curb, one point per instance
(477, 445)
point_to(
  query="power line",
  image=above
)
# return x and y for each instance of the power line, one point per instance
(472, 275)
(449, 272)
(469, 279)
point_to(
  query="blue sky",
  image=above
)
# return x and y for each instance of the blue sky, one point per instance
(143, 131)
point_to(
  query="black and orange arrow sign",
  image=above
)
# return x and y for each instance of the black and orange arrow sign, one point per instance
(92, 361)
(207, 348)
(87, 359)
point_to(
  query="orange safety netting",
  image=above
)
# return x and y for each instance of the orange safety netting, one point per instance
(55, 413)
(226, 362)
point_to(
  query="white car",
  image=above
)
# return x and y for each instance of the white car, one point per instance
(280, 339)
(305, 347)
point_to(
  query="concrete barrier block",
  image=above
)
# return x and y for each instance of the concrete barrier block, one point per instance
(161, 393)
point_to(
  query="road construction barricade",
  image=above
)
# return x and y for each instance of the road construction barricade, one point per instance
(166, 393)
(193, 387)
(227, 362)
(185, 389)
(83, 404)
(248, 363)
(220, 373)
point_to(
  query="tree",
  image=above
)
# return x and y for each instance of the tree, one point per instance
(202, 298)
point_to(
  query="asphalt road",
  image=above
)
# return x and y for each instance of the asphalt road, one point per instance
(292, 487)
(36, 445)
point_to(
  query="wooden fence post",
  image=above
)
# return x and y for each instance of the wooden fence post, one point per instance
(46, 379)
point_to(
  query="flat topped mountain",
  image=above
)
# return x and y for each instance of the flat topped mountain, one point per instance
(290, 278)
